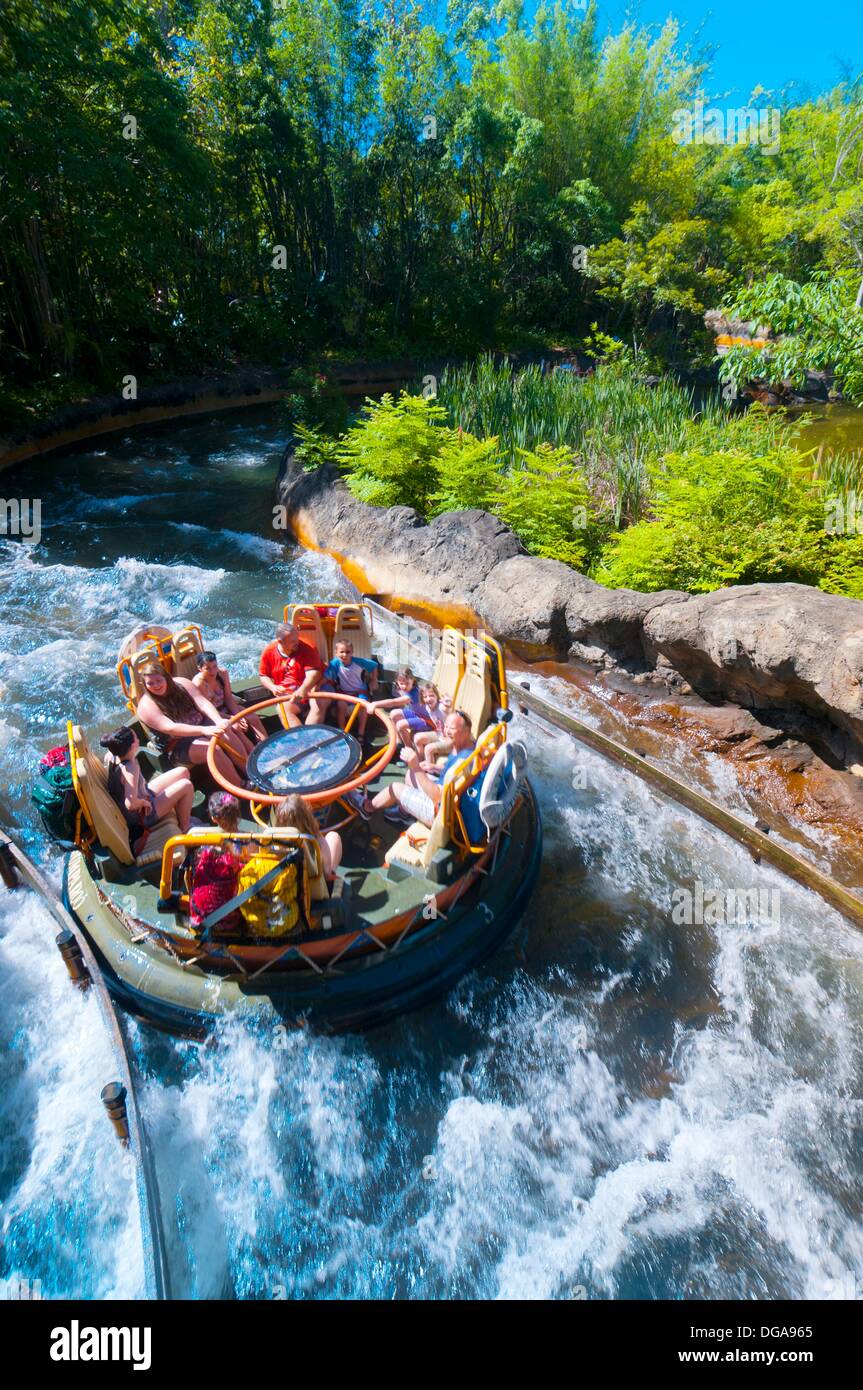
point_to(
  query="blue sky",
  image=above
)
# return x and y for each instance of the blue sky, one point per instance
(761, 44)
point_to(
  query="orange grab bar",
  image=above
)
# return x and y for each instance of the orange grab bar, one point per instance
(312, 798)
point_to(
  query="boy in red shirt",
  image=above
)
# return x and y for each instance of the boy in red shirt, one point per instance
(292, 667)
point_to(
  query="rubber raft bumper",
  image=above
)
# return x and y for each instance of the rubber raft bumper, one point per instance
(366, 992)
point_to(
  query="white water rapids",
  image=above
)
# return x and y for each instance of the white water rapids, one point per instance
(618, 1106)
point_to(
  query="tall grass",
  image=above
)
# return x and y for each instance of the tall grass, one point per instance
(612, 421)
(841, 470)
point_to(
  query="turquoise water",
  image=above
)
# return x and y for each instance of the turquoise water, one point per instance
(616, 1107)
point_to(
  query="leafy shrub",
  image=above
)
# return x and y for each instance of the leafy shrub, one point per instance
(547, 502)
(818, 325)
(390, 456)
(724, 518)
(314, 402)
(469, 475)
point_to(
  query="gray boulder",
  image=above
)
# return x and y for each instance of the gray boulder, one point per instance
(769, 645)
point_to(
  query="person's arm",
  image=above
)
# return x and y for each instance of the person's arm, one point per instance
(204, 705)
(370, 671)
(313, 677)
(131, 801)
(266, 679)
(398, 703)
(432, 789)
(149, 713)
(230, 698)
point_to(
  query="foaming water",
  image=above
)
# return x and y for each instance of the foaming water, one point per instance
(617, 1106)
(69, 1208)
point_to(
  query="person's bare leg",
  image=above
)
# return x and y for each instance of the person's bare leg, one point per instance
(241, 741)
(383, 799)
(331, 852)
(178, 798)
(164, 780)
(239, 744)
(290, 713)
(224, 762)
(317, 711)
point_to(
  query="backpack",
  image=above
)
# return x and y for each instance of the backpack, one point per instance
(53, 794)
(282, 906)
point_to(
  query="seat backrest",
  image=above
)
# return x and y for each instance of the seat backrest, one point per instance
(157, 649)
(450, 663)
(418, 846)
(314, 864)
(102, 813)
(307, 620)
(354, 624)
(187, 643)
(474, 689)
(280, 835)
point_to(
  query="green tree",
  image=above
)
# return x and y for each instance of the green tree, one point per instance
(817, 326)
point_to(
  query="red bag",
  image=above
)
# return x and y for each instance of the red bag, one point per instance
(55, 757)
(214, 882)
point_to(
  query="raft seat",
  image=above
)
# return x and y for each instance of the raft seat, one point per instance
(144, 658)
(449, 666)
(423, 850)
(319, 890)
(187, 644)
(434, 851)
(307, 620)
(353, 624)
(102, 813)
(474, 693)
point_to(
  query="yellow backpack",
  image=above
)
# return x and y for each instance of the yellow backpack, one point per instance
(282, 906)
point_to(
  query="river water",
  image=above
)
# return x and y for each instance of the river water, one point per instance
(618, 1106)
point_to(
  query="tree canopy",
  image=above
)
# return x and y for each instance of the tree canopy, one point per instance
(186, 183)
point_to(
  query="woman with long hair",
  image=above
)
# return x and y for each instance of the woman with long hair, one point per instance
(183, 721)
(295, 812)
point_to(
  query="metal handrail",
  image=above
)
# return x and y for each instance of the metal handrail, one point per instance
(156, 1269)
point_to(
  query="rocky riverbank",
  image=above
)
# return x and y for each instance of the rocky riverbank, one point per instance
(762, 669)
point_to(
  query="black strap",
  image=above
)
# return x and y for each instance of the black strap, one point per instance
(214, 918)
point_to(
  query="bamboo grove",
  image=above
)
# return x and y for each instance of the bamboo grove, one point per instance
(185, 184)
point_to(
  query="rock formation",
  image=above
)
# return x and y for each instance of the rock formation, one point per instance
(764, 647)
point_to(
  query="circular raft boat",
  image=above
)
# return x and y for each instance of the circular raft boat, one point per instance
(411, 907)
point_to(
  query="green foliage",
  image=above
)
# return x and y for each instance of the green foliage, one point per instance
(611, 421)
(390, 456)
(547, 502)
(817, 325)
(469, 475)
(403, 452)
(731, 518)
(843, 567)
(350, 178)
(315, 449)
(314, 402)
